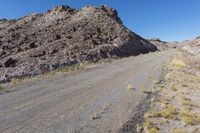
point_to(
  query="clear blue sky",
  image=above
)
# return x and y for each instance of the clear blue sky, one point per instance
(168, 20)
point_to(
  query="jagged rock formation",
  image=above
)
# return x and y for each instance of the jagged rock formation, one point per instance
(38, 43)
(193, 46)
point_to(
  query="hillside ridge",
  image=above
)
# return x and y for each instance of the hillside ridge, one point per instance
(63, 36)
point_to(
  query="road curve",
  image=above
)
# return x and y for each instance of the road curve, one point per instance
(93, 100)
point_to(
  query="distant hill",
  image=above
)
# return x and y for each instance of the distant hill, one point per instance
(163, 45)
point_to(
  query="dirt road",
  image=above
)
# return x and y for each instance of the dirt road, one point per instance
(92, 100)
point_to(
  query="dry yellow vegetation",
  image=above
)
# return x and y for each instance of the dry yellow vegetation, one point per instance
(178, 63)
(176, 108)
(1, 87)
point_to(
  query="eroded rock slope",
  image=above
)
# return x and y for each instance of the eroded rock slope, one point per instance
(63, 36)
(193, 46)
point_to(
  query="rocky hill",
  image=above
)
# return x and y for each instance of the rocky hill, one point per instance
(162, 45)
(63, 36)
(193, 46)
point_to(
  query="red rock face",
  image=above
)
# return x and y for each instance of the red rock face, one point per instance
(39, 43)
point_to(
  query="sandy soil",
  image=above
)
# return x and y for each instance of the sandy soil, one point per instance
(176, 107)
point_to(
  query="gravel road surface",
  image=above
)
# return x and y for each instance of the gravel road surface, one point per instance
(94, 100)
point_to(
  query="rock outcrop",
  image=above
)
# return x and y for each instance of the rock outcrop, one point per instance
(63, 36)
(193, 46)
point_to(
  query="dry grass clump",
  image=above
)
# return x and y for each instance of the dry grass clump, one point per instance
(183, 85)
(187, 102)
(1, 87)
(184, 98)
(190, 118)
(157, 81)
(173, 88)
(178, 63)
(69, 68)
(148, 91)
(163, 101)
(76, 67)
(150, 128)
(153, 130)
(178, 130)
(104, 61)
(146, 115)
(169, 112)
(147, 123)
(94, 116)
(130, 88)
(16, 81)
(197, 68)
(155, 114)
